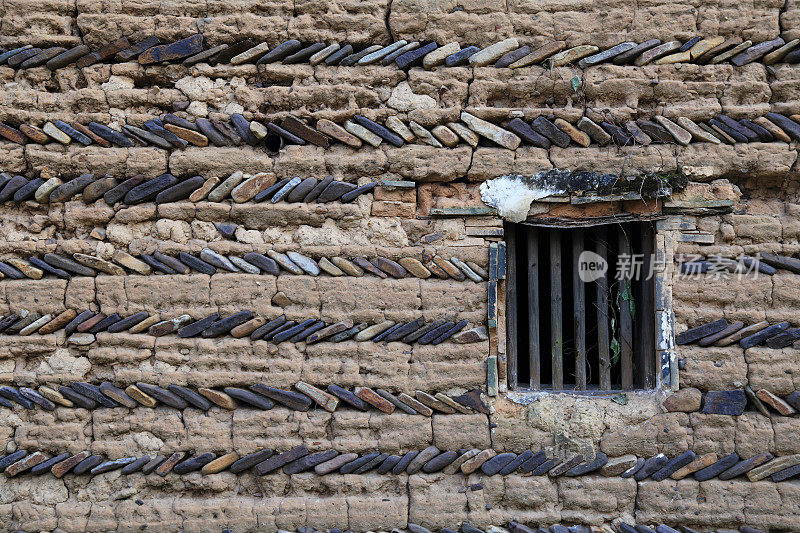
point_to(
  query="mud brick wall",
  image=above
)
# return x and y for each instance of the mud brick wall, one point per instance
(426, 204)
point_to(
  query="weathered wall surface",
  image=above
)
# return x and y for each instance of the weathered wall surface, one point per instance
(391, 224)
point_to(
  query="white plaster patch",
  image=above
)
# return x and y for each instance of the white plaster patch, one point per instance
(512, 197)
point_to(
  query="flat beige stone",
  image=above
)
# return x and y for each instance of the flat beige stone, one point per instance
(136, 393)
(424, 135)
(204, 190)
(466, 134)
(131, 263)
(730, 53)
(258, 129)
(455, 466)
(218, 397)
(445, 135)
(26, 268)
(35, 325)
(220, 463)
(320, 56)
(248, 189)
(577, 136)
(680, 57)
(99, 264)
(475, 462)
(416, 405)
(415, 267)
(396, 125)
(776, 465)
(447, 400)
(704, 45)
(698, 464)
(494, 133)
(362, 133)
(329, 268)
(779, 53)
(224, 188)
(572, 55)
(697, 132)
(433, 403)
(145, 324)
(348, 267)
(335, 131)
(680, 135)
(373, 330)
(327, 401)
(773, 128)
(50, 129)
(250, 54)
(493, 52)
(437, 57)
(55, 396)
(42, 194)
(540, 54)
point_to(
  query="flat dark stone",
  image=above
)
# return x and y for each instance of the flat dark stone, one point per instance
(372, 464)
(111, 135)
(205, 55)
(413, 58)
(118, 193)
(69, 56)
(285, 134)
(74, 134)
(98, 188)
(749, 134)
(12, 186)
(344, 335)
(279, 330)
(440, 462)
(730, 402)
(249, 461)
(232, 51)
(298, 128)
(242, 126)
(379, 130)
(528, 134)
(779, 261)
(153, 127)
(380, 336)
(104, 324)
(156, 264)
(45, 466)
(108, 466)
(651, 466)
(136, 465)
(149, 189)
(735, 134)
(461, 57)
(655, 131)
(194, 463)
(145, 137)
(12, 458)
(446, 334)
(27, 191)
(270, 191)
(305, 333)
(626, 57)
(551, 131)
(38, 263)
(69, 189)
(269, 327)
(72, 326)
(172, 263)
(266, 264)
(301, 190)
(497, 463)
(785, 339)
(111, 391)
(10, 271)
(133, 51)
(606, 55)
(65, 263)
(93, 392)
(404, 462)
(196, 263)
(180, 191)
(435, 333)
(174, 51)
(757, 338)
(599, 461)
(37, 398)
(351, 195)
(674, 465)
(355, 464)
(303, 54)
(546, 466)
(154, 463)
(695, 334)
(162, 395)
(388, 463)
(717, 468)
(532, 462)
(288, 332)
(17, 59)
(620, 136)
(347, 397)
(742, 467)
(309, 461)
(756, 51)
(405, 329)
(277, 461)
(14, 395)
(787, 473)
(314, 193)
(288, 187)
(280, 52)
(335, 190)
(688, 44)
(512, 56)
(336, 57)
(472, 399)
(250, 398)
(87, 464)
(192, 398)
(763, 134)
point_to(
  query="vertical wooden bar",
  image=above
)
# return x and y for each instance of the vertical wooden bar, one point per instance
(579, 312)
(603, 340)
(511, 305)
(534, 351)
(624, 294)
(557, 339)
(646, 311)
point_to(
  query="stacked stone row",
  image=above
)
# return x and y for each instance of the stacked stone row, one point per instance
(762, 263)
(722, 333)
(238, 187)
(82, 395)
(405, 55)
(210, 262)
(733, 402)
(431, 460)
(618, 526)
(81, 328)
(171, 132)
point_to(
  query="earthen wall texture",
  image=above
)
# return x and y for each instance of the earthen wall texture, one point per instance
(761, 180)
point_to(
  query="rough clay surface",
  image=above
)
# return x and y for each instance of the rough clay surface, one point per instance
(765, 182)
